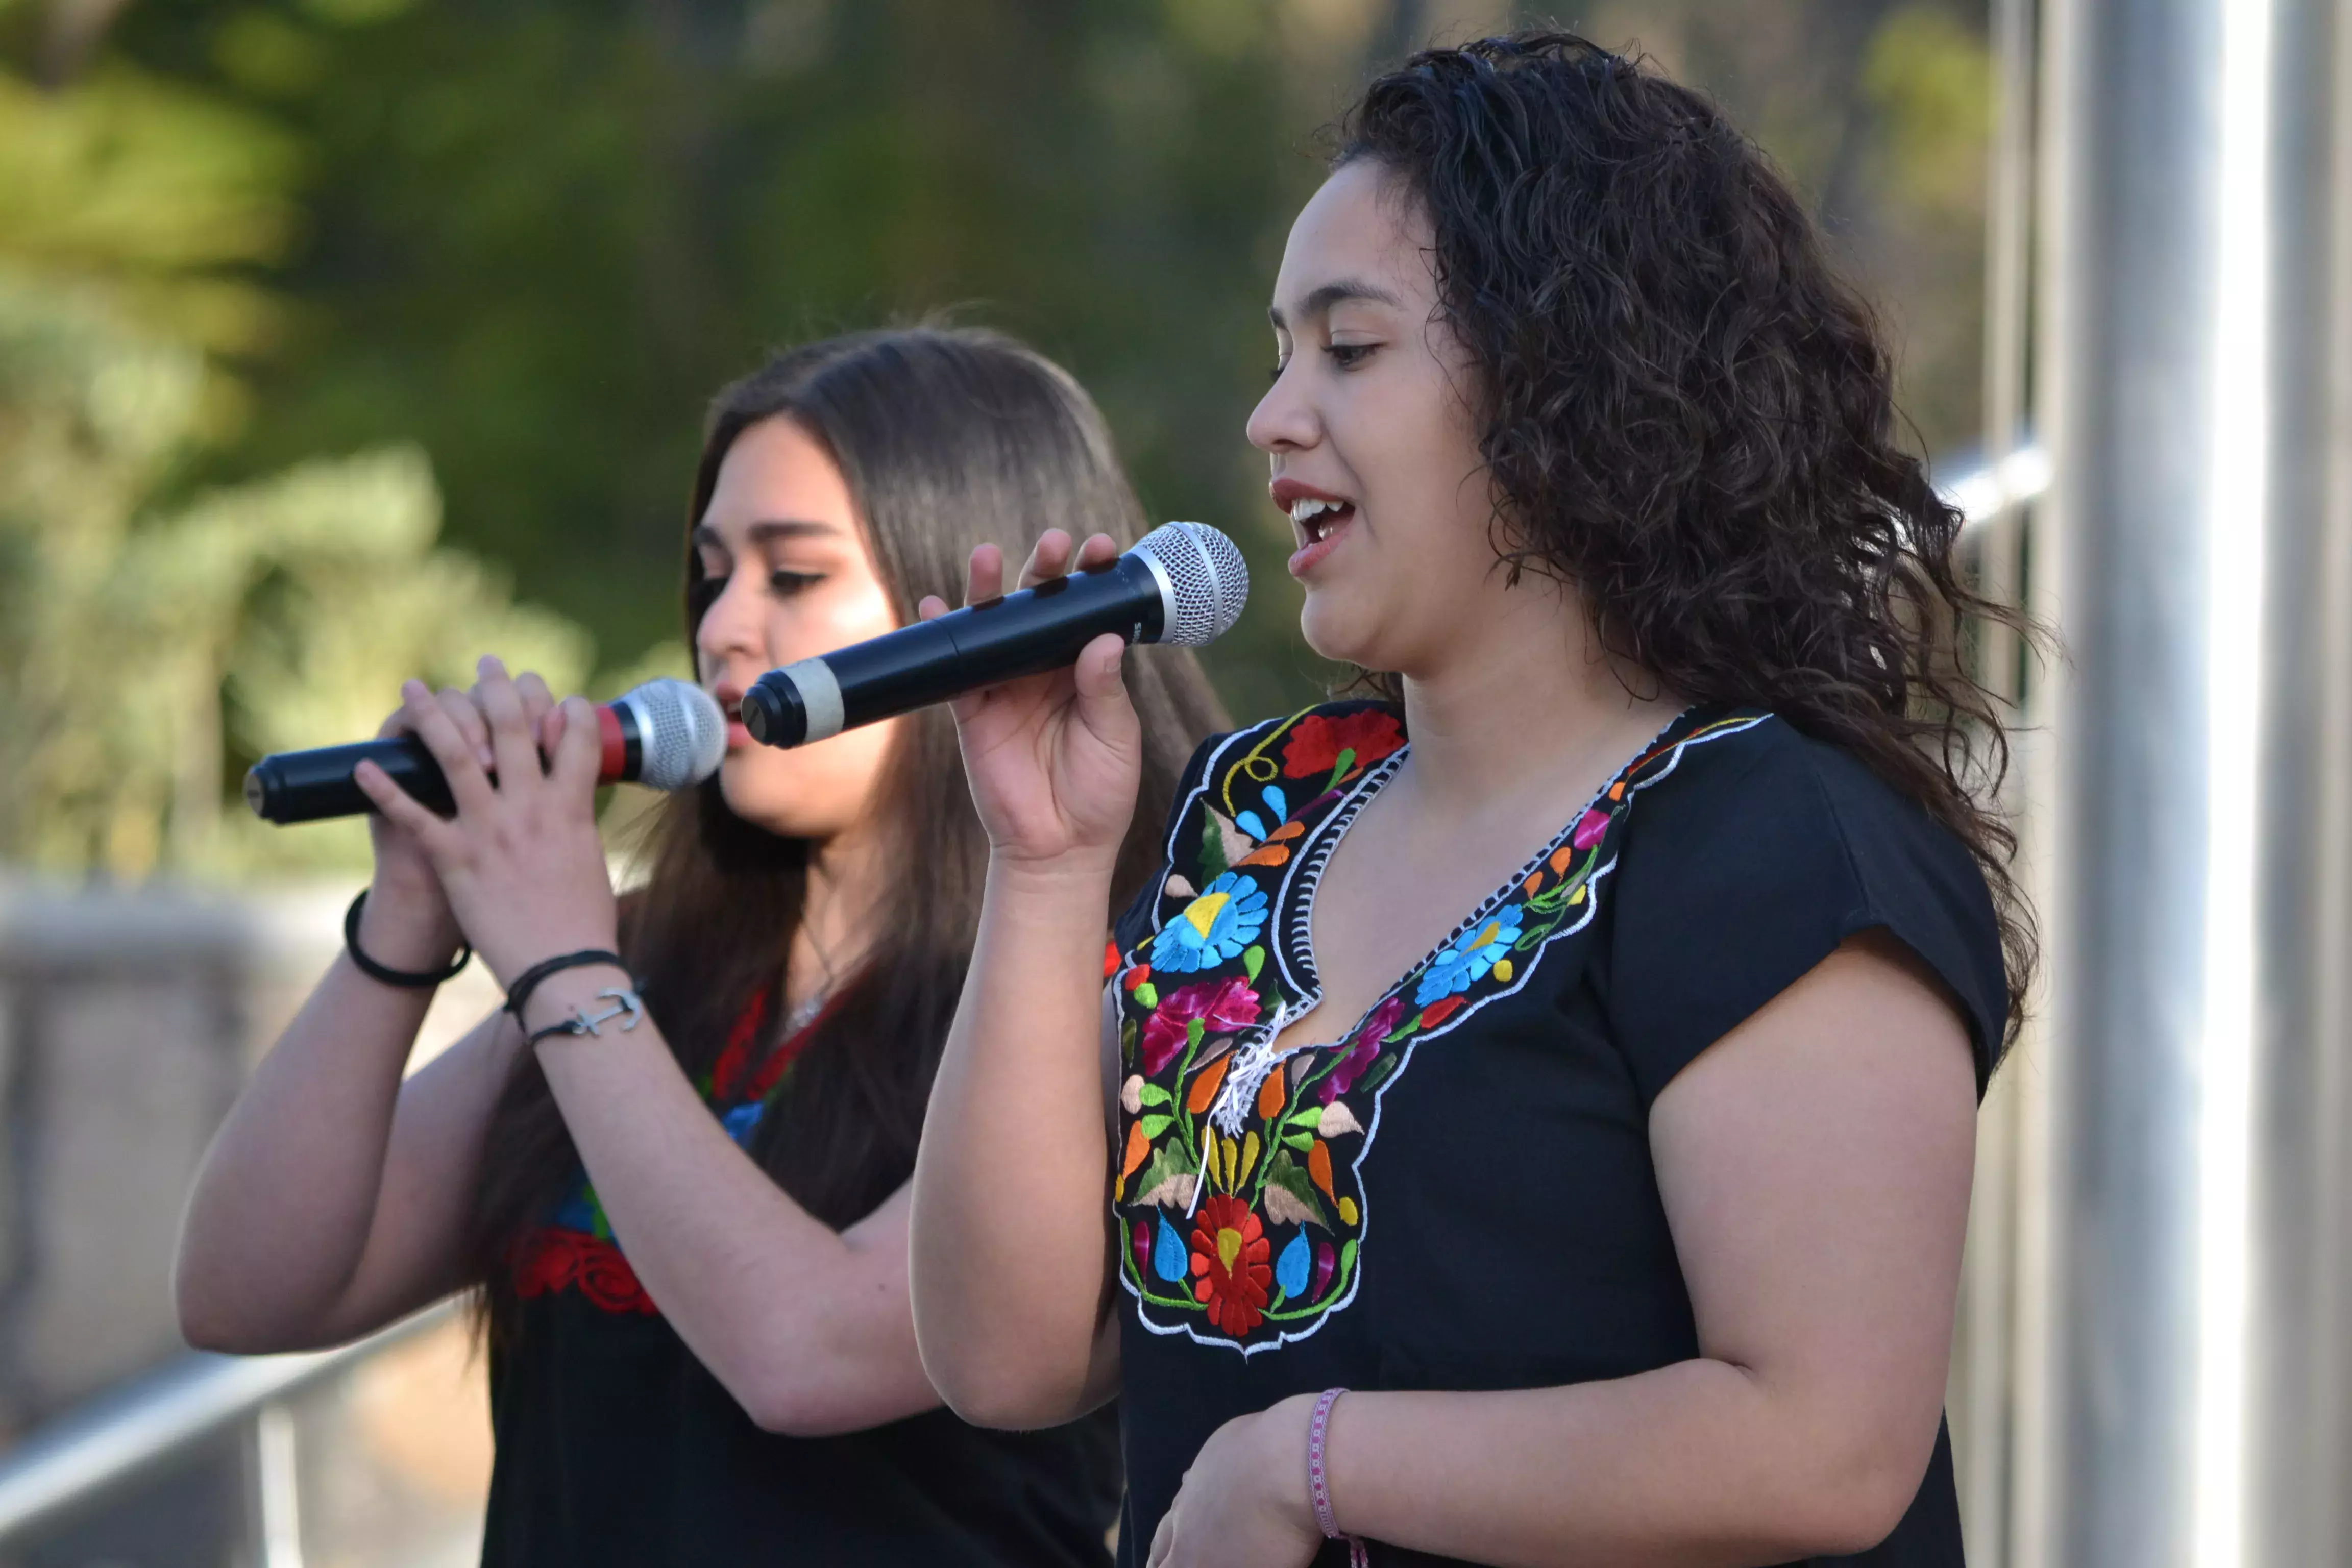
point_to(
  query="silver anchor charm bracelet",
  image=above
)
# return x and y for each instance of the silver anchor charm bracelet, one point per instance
(625, 1004)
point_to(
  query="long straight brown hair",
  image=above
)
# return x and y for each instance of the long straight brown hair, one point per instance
(947, 438)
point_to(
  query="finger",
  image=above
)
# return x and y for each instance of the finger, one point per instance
(932, 608)
(984, 574)
(1099, 552)
(538, 702)
(1104, 706)
(1163, 1539)
(551, 726)
(467, 717)
(469, 787)
(1049, 558)
(516, 747)
(578, 751)
(399, 807)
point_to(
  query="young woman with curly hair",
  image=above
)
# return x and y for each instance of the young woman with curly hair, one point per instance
(1573, 1050)
(690, 1232)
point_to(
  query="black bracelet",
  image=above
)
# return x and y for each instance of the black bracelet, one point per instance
(527, 981)
(626, 1007)
(407, 979)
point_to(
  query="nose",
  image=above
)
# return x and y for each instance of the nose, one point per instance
(1285, 419)
(731, 626)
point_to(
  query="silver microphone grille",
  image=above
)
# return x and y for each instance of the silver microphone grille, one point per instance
(683, 732)
(1206, 577)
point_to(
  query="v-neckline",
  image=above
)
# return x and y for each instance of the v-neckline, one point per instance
(1297, 913)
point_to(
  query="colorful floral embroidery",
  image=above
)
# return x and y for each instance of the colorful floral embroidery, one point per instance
(1229, 1250)
(1473, 958)
(552, 1259)
(1337, 744)
(1238, 1188)
(1216, 925)
(575, 1250)
(1212, 1005)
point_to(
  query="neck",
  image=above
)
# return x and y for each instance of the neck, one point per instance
(845, 875)
(1532, 697)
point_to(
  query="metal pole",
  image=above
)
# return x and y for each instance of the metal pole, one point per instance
(2148, 1005)
(278, 1485)
(2300, 1317)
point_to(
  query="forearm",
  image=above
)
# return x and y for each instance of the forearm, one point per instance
(1698, 1464)
(282, 1208)
(808, 1328)
(1009, 1241)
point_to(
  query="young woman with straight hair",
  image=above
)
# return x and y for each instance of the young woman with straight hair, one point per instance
(688, 1234)
(1573, 1048)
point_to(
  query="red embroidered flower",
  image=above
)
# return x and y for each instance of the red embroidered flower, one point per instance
(1227, 1003)
(1229, 1263)
(551, 1258)
(1316, 745)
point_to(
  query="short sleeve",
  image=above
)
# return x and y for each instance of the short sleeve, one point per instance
(1750, 864)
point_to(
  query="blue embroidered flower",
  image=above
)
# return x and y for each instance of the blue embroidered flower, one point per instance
(1466, 962)
(1223, 918)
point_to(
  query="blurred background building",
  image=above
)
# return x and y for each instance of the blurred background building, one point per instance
(343, 340)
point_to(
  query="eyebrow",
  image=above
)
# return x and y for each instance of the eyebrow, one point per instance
(767, 529)
(1320, 303)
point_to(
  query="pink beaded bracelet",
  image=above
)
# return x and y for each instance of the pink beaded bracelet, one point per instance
(1318, 1484)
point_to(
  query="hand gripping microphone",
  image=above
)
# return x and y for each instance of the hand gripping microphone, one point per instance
(664, 734)
(1183, 582)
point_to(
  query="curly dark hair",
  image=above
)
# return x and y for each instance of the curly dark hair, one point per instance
(1689, 416)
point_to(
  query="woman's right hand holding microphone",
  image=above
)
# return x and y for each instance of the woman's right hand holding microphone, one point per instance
(1054, 760)
(407, 924)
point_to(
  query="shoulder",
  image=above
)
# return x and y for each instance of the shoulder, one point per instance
(1754, 850)
(1751, 790)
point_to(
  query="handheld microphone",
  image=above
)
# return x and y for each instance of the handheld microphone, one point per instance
(665, 734)
(1183, 582)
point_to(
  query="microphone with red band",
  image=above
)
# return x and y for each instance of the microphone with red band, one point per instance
(664, 734)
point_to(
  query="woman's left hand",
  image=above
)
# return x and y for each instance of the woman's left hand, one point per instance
(1244, 1503)
(521, 862)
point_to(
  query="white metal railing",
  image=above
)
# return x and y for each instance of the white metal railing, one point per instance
(84, 1457)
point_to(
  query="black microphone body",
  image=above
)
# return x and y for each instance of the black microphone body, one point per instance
(665, 734)
(1023, 633)
(310, 786)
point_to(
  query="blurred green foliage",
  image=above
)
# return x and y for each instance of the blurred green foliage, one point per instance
(505, 251)
(148, 632)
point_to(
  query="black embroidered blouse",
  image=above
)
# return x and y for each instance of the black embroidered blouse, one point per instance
(616, 1446)
(1458, 1192)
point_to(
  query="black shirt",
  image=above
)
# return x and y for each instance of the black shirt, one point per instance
(616, 1446)
(1459, 1194)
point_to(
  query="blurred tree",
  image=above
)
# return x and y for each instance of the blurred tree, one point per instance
(151, 644)
(1880, 111)
(540, 238)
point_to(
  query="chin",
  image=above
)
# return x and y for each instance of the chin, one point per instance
(757, 800)
(1342, 634)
